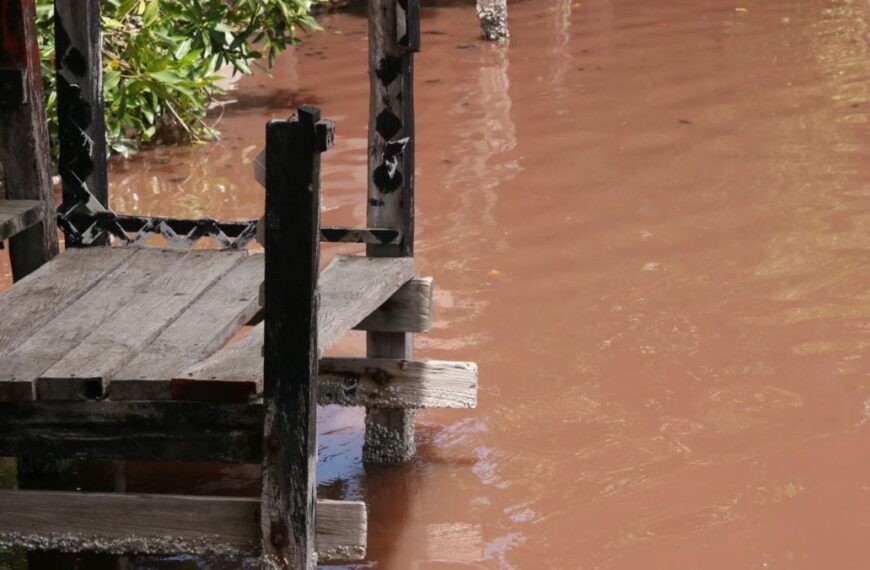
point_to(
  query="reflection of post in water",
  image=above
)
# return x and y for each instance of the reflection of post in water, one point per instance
(486, 135)
(560, 54)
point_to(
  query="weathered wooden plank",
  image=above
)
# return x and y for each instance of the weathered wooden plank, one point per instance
(24, 144)
(20, 367)
(341, 530)
(38, 298)
(290, 351)
(84, 371)
(202, 329)
(409, 310)
(149, 431)
(351, 287)
(374, 382)
(390, 433)
(81, 121)
(162, 524)
(18, 215)
(392, 383)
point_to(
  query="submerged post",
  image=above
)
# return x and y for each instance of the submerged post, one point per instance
(24, 146)
(394, 36)
(81, 122)
(291, 351)
(493, 19)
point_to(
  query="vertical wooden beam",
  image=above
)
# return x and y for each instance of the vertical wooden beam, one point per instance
(393, 39)
(291, 350)
(24, 145)
(80, 110)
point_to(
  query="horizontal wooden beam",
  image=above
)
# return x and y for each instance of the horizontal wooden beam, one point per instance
(368, 382)
(385, 382)
(408, 310)
(163, 524)
(149, 431)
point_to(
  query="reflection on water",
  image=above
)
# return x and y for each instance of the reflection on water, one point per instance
(648, 223)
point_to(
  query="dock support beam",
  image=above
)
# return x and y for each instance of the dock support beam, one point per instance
(24, 146)
(394, 36)
(291, 349)
(493, 19)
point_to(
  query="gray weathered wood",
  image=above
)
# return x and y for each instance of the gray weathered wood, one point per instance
(70, 327)
(24, 144)
(162, 524)
(81, 121)
(290, 351)
(197, 333)
(149, 431)
(390, 433)
(351, 287)
(409, 310)
(371, 382)
(32, 302)
(84, 371)
(18, 215)
(398, 383)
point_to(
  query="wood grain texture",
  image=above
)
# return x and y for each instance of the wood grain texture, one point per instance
(18, 215)
(39, 297)
(80, 110)
(24, 143)
(158, 301)
(148, 431)
(162, 524)
(71, 326)
(351, 287)
(408, 310)
(290, 354)
(374, 382)
(391, 142)
(392, 383)
(203, 328)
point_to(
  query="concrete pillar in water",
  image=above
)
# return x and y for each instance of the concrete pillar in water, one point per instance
(493, 19)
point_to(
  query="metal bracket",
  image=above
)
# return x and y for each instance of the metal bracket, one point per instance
(13, 86)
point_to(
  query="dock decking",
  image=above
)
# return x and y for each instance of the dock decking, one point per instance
(151, 324)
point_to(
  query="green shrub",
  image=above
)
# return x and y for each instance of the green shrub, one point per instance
(161, 60)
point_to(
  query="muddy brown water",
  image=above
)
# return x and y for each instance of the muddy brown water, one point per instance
(649, 223)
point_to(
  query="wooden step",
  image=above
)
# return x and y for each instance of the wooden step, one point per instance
(18, 215)
(163, 524)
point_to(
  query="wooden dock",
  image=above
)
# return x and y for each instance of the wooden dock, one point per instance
(113, 350)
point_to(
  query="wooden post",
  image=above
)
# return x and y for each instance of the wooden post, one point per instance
(24, 146)
(291, 350)
(393, 38)
(81, 122)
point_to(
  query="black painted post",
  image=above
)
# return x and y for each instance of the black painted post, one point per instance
(394, 36)
(81, 122)
(291, 354)
(24, 147)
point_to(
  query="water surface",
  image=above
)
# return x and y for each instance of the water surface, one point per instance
(648, 222)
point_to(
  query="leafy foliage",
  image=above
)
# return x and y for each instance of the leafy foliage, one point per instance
(161, 60)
